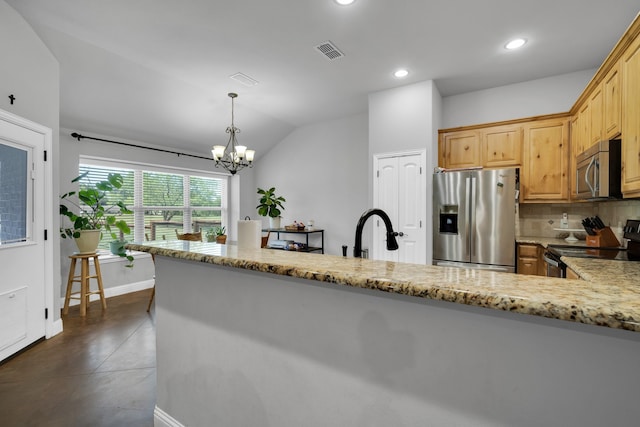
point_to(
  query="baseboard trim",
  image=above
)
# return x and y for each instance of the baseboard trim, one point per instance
(162, 419)
(115, 291)
(54, 328)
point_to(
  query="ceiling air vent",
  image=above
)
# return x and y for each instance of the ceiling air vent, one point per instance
(243, 79)
(329, 50)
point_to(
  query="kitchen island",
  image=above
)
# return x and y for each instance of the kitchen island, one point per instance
(260, 337)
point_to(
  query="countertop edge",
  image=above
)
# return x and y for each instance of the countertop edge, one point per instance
(587, 313)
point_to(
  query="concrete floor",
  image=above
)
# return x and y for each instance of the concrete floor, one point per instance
(100, 371)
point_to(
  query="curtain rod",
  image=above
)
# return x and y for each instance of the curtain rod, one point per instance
(79, 137)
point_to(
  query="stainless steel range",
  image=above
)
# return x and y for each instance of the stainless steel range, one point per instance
(557, 268)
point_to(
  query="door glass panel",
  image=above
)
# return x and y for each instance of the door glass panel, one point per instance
(14, 194)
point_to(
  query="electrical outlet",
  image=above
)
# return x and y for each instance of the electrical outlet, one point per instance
(564, 222)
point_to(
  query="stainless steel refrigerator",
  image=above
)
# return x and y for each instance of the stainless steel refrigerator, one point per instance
(474, 219)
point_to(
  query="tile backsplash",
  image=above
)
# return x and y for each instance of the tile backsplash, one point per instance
(541, 219)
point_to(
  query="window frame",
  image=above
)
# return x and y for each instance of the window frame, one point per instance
(138, 208)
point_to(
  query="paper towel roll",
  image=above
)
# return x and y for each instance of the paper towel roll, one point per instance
(249, 234)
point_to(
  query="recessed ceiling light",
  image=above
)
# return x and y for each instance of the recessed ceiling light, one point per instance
(401, 73)
(344, 2)
(515, 44)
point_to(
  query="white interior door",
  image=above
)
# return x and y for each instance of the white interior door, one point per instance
(411, 211)
(387, 180)
(22, 246)
(399, 190)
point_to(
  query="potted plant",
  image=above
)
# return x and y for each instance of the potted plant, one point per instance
(210, 234)
(94, 213)
(270, 206)
(219, 233)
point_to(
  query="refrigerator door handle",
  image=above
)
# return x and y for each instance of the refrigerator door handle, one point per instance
(472, 216)
(467, 224)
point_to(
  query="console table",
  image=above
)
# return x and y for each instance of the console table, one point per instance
(320, 248)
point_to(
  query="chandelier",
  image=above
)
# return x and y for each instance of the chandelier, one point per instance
(233, 157)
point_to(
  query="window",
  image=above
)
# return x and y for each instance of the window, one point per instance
(15, 193)
(163, 200)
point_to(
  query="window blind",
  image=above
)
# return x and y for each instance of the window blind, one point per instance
(163, 201)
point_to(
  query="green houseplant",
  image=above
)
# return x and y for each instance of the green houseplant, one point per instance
(210, 234)
(216, 234)
(95, 213)
(270, 206)
(220, 234)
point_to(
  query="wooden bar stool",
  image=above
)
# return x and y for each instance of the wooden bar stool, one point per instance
(84, 279)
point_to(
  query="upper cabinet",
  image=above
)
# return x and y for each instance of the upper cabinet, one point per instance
(460, 150)
(612, 103)
(583, 131)
(501, 146)
(596, 119)
(631, 120)
(545, 171)
(574, 132)
(539, 146)
(490, 147)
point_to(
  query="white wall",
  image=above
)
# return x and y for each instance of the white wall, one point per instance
(437, 106)
(321, 170)
(31, 73)
(550, 95)
(401, 119)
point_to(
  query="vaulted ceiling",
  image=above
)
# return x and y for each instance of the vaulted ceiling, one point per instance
(159, 71)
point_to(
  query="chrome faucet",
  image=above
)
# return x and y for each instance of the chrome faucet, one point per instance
(392, 244)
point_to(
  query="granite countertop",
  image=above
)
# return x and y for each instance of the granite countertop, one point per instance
(591, 269)
(602, 299)
(545, 241)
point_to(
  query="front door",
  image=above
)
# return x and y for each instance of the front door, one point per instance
(399, 191)
(22, 246)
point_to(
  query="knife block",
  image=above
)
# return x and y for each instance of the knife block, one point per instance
(604, 238)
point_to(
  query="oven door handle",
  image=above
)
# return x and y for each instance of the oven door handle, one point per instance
(551, 261)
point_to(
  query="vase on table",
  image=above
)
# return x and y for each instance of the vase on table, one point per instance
(274, 222)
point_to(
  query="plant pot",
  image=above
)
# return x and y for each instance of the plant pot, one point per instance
(88, 241)
(117, 247)
(221, 239)
(211, 239)
(274, 222)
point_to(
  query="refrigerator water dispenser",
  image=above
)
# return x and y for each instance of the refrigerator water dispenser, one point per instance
(449, 219)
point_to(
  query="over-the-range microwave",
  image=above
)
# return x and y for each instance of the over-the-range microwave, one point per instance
(599, 171)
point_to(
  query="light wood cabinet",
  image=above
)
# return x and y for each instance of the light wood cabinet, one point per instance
(490, 147)
(501, 146)
(574, 132)
(631, 120)
(596, 119)
(530, 259)
(584, 128)
(546, 161)
(460, 150)
(612, 103)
